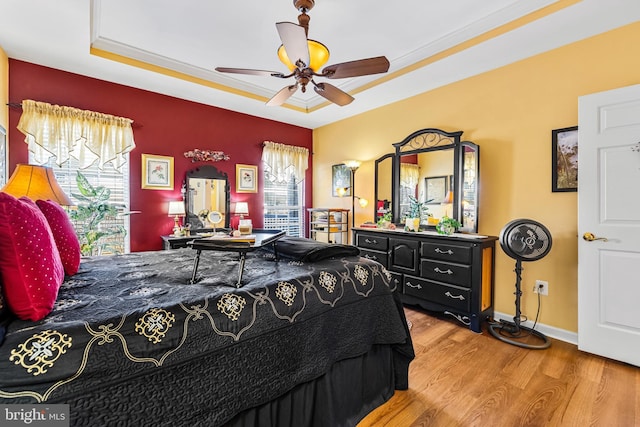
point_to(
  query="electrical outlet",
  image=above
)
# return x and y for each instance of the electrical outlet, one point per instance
(541, 287)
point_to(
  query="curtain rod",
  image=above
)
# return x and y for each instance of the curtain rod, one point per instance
(134, 124)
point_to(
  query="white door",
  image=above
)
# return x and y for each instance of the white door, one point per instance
(609, 208)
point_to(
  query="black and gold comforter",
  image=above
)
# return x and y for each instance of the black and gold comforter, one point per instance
(129, 337)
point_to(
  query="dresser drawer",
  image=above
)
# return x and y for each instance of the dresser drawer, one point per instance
(446, 252)
(381, 257)
(396, 280)
(456, 274)
(372, 241)
(452, 296)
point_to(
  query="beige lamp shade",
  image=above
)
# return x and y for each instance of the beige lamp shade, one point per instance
(176, 208)
(242, 208)
(36, 183)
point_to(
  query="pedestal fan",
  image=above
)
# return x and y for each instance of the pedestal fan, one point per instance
(522, 240)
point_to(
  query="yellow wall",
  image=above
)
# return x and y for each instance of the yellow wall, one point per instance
(510, 113)
(4, 89)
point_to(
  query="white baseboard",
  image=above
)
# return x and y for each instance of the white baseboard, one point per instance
(550, 331)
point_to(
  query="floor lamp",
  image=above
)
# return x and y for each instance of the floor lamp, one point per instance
(353, 165)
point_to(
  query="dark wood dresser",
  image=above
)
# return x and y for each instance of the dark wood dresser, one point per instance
(448, 274)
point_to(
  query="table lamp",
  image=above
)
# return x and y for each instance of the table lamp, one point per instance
(176, 209)
(37, 183)
(244, 226)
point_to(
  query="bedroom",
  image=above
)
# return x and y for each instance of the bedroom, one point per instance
(509, 112)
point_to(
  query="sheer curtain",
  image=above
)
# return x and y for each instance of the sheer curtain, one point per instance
(63, 132)
(282, 161)
(409, 175)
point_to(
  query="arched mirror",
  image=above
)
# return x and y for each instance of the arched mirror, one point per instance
(436, 168)
(206, 191)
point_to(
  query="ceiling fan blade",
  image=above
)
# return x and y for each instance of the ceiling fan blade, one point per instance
(284, 94)
(250, 71)
(294, 39)
(333, 94)
(361, 67)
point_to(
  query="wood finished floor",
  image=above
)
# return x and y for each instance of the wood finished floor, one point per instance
(460, 378)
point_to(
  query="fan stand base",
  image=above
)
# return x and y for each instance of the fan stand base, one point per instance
(512, 334)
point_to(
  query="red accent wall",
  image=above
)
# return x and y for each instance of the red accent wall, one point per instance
(163, 125)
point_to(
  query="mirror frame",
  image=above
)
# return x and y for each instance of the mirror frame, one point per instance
(209, 172)
(376, 189)
(430, 140)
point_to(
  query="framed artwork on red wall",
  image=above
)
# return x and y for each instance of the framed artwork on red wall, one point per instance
(157, 172)
(246, 179)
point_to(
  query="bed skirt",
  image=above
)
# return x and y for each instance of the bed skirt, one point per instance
(341, 398)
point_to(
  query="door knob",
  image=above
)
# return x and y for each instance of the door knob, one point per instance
(590, 237)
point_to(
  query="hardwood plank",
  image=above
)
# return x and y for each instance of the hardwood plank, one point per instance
(461, 378)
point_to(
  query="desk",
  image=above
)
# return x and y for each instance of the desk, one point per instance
(262, 238)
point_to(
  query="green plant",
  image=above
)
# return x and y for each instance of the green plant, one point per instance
(89, 217)
(385, 219)
(417, 209)
(447, 225)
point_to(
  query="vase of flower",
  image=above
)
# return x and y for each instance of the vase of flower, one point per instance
(417, 212)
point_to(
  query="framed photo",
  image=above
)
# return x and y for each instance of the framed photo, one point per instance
(246, 179)
(340, 178)
(564, 164)
(157, 172)
(436, 188)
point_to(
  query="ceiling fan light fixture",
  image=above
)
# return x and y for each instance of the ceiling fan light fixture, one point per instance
(318, 56)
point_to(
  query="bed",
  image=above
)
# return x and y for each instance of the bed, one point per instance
(306, 341)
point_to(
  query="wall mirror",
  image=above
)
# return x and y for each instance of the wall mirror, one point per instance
(437, 168)
(206, 190)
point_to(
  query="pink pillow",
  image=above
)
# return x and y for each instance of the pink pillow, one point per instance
(64, 235)
(30, 264)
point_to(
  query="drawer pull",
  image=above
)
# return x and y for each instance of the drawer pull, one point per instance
(375, 258)
(450, 295)
(374, 241)
(440, 251)
(447, 271)
(411, 285)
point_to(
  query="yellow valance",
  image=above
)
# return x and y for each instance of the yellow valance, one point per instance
(282, 161)
(63, 132)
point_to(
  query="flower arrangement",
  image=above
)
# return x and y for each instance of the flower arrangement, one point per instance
(447, 225)
(385, 221)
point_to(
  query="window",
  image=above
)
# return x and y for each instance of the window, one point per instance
(283, 206)
(117, 182)
(284, 172)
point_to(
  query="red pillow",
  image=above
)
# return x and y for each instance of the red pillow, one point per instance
(63, 234)
(30, 264)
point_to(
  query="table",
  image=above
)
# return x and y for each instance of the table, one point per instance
(262, 238)
(176, 242)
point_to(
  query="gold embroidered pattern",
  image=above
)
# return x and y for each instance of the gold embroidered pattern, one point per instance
(231, 305)
(155, 324)
(286, 292)
(41, 351)
(361, 274)
(328, 281)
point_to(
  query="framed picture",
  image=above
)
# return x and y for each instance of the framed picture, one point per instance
(340, 178)
(157, 172)
(564, 164)
(246, 179)
(436, 188)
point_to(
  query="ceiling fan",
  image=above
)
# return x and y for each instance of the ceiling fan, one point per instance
(308, 56)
